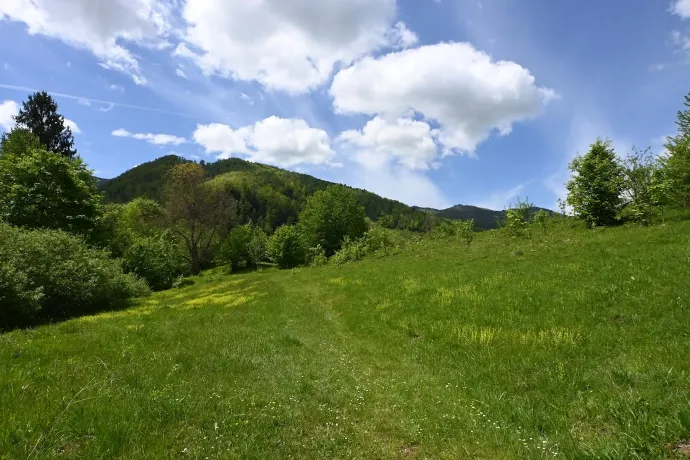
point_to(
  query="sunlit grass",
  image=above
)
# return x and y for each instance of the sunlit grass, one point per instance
(570, 345)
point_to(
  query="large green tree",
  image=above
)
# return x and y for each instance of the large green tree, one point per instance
(41, 189)
(197, 212)
(18, 141)
(596, 185)
(331, 215)
(39, 114)
(677, 163)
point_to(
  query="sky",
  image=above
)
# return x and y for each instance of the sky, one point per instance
(430, 102)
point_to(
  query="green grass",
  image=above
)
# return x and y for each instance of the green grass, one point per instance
(570, 345)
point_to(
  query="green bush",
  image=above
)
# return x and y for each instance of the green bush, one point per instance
(517, 218)
(351, 250)
(244, 246)
(541, 218)
(41, 189)
(317, 256)
(55, 274)
(331, 215)
(19, 301)
(156, 259)
(379, 239)
(287, 247)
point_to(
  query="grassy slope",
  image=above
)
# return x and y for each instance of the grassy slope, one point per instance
(575, 345)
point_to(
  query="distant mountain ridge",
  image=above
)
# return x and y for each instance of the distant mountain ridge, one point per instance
(278, 185)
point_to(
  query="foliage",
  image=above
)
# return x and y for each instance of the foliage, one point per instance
(18, 141)
(42, 189)
(317, 256)
(19, 300)
(59, 272)
(517, 218)
(244, 246)
(642, 188)
(465, 230)
(197, 212)
(352, 250)
(156, 259)
(596, 186)
(331, 215)
(287, 247)
(541, 219)
(379, 239)
(677, 170)
(39, 114)
(683, 120)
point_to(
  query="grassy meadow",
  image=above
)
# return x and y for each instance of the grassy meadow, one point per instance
(571, 344)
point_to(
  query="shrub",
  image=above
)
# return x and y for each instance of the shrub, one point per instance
(379, 239)
(157, 259)
(331, 215)
(287, 247)
(19, 301)
(517, 218)
(465, 230)
(62, 275)
(317, 256)
(351, 250)
(244, 246)
(596, 186)
(41, 189)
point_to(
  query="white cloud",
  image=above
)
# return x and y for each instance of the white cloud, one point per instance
(156, 139)
(72, 126)
(279, 141)
(289, 45)
(681, 8)
(180, 73)
(8, 109)
(119, 88)
(82, 101)
(452, 84)
(409, 142)
(102, 27)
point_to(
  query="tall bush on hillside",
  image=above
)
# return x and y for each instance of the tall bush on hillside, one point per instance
(465, 231)
(54, 274)
(196, 212)
(331, 215)
(596, 186)
(541, 219)
(156, 259)
(517, 218)
(287, 247)
(639, 182)
(244, 246)
(42, 189)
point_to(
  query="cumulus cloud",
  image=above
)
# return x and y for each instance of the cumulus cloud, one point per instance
(454, 85)
(72, 126)
(98, 26)
(8, 109)
(180, 73)
(289, 45)
(279, 141)
(408, 142)
(681, 8)
(155, 139)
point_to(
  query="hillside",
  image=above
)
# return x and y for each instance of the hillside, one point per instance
(264, 193)
(484, 219)
(571, 344)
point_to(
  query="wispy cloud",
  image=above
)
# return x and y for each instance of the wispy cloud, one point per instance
(155, 139)
(96, 101)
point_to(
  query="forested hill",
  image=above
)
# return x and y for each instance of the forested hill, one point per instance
(267, 195)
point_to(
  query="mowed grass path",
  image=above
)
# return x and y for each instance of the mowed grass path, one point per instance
(572, 345)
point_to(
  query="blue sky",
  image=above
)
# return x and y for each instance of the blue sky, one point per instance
(430, 102)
